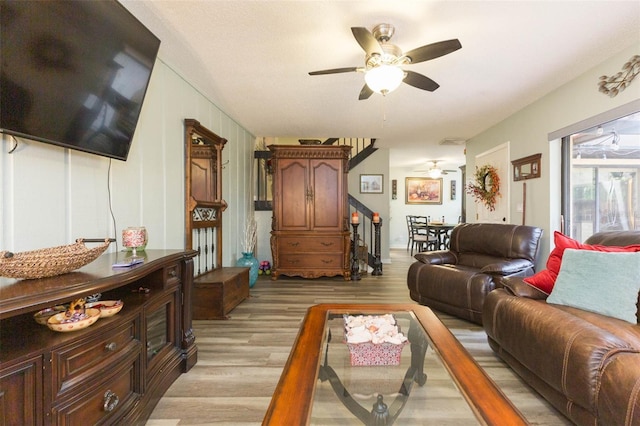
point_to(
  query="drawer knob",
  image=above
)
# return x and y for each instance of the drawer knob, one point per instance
(110, 400)
(295, 244)
(172, 273)
(326, 244)
(111, 346)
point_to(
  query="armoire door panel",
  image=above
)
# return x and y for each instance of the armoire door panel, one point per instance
(327, 213)
(294, 190)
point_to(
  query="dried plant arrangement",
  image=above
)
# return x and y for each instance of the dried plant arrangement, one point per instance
(249, 236)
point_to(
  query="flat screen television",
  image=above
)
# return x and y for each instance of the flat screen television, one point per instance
(74, 73)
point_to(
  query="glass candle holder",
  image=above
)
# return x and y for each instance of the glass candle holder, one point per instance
(134, 238)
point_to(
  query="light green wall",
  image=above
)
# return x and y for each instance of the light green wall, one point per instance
(528, 131)
(51, 196)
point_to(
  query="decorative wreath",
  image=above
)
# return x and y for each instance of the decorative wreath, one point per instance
(486, 186)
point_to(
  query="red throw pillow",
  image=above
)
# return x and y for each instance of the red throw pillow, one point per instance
(545, 280)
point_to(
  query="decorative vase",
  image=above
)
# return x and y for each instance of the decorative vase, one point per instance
(247, 259)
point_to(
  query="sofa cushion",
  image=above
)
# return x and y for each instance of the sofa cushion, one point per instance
(545, 280)
(605, 283)
(496, 240)
(565, 347)
(506, 267)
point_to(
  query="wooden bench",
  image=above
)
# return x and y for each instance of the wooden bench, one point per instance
(216, 293)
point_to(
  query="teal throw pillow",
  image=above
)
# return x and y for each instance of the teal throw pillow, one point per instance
(601, 282)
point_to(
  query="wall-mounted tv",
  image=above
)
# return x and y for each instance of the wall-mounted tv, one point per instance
(74, 73)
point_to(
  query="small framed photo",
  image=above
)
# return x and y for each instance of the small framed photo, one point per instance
(420, 190)
(371, 184)
(453, 189)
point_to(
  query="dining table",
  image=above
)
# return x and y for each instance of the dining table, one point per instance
(442, 231)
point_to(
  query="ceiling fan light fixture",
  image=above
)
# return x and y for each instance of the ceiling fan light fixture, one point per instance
(384, 78)
(435, 173)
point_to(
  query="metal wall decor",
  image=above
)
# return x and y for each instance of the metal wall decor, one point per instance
(615, 84)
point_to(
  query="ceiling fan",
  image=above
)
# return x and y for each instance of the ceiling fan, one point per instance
(435, 171)
(383, 61)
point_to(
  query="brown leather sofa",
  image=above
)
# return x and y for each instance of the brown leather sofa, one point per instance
(585, 364)
(456, 281)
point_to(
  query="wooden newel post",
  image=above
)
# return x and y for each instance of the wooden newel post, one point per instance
(355, 265)
(377, 263)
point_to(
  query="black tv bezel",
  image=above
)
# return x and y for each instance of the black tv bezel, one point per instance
(18, 134)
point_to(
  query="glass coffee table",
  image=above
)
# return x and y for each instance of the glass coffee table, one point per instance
(435, 381)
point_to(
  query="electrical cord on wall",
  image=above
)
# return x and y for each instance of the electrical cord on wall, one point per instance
(113, 218)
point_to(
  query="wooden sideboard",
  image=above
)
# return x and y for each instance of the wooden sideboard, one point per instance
(116, 370)
(310, 231)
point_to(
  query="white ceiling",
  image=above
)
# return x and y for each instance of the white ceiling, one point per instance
(252, 58)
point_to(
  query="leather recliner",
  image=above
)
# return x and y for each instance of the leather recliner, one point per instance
(456, 281)
(585, 364)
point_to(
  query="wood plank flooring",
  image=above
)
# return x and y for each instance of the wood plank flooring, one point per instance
(240, 360)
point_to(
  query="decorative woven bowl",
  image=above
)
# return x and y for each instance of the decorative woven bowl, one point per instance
(56, 322)
(49, 262)
(108, 308)
(41, 317)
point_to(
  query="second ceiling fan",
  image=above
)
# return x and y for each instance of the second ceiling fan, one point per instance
(383, 61)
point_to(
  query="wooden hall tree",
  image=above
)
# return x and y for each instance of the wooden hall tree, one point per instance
(203, 195)
(310, 229)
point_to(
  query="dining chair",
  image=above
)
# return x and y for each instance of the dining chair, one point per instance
(421, 238)
(410, 234)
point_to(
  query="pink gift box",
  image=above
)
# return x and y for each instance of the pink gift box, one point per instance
(375, 354)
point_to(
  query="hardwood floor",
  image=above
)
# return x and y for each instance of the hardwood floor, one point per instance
(240, 360)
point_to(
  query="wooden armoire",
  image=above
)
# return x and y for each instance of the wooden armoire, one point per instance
(310, 234)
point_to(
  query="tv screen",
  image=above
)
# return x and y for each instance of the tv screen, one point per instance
(74, 73)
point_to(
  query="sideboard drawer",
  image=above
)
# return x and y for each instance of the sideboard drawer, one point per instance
(172, 274)
(104, 401)
(312, 244)
(76, 363)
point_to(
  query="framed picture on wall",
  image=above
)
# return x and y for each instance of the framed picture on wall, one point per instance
(453, 189)
(371, 184)
(419, 190)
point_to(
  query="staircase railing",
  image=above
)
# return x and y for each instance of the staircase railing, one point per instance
(361, 148)
(366, 230)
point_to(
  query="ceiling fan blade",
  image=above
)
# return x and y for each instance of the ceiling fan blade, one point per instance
(420, 81)
(366, 40)
(433, 50)
(365, 93)
(334, 71)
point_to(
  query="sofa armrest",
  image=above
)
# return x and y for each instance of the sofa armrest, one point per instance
(517, 287)
(440, 257)
(507, 267)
